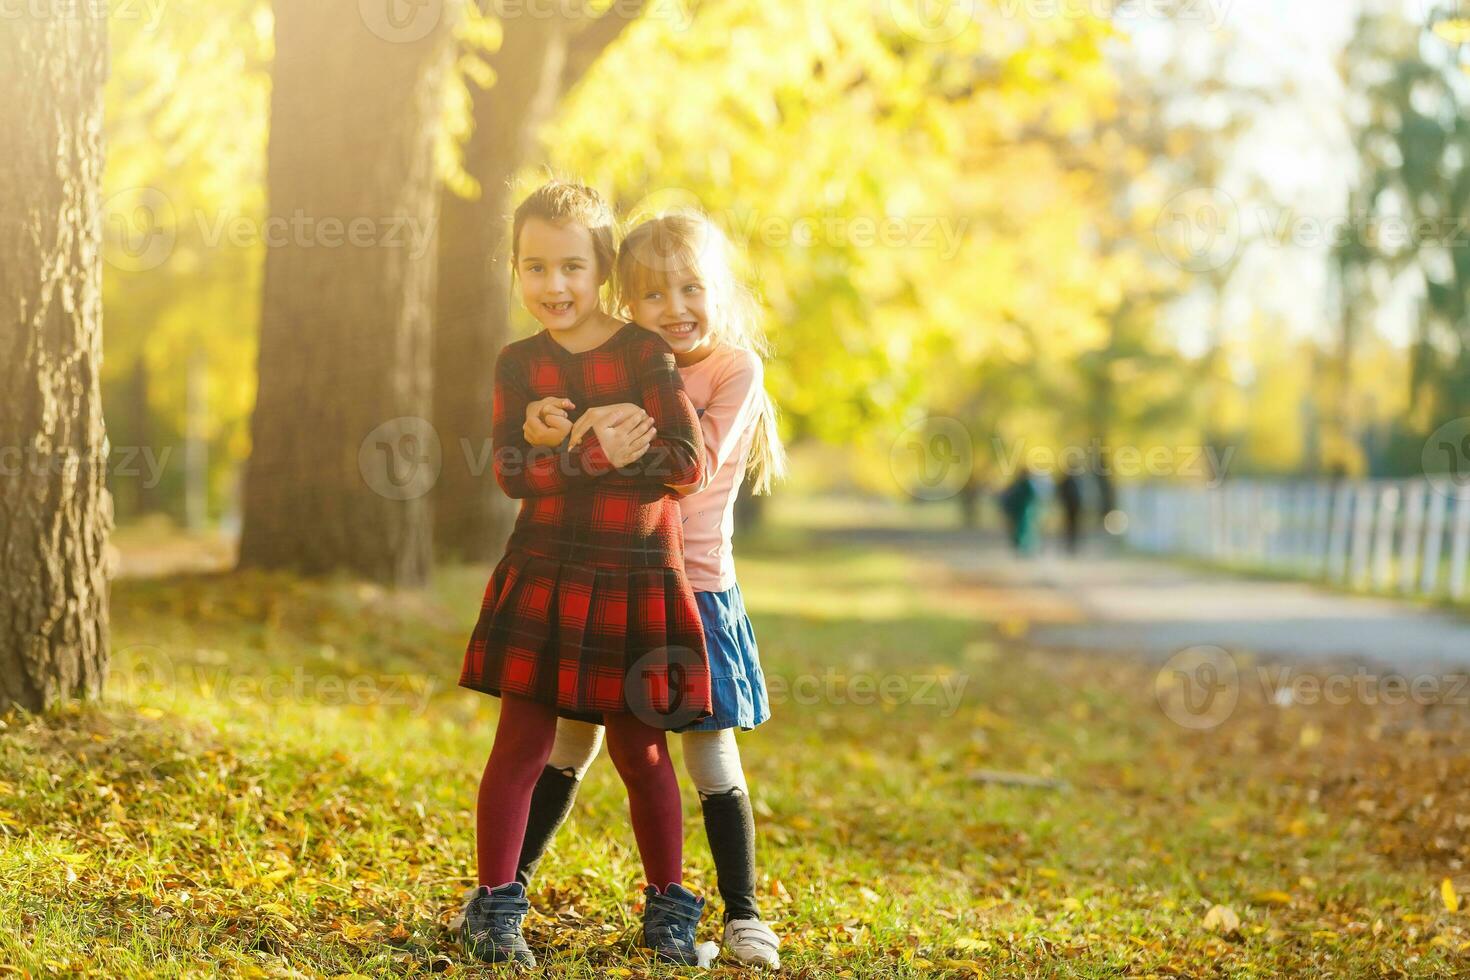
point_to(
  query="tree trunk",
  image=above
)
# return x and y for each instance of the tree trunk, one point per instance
(342, 455)
(55, 511)
(473, 517)
(539, 59)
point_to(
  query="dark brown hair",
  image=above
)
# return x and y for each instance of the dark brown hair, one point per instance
(564, 202)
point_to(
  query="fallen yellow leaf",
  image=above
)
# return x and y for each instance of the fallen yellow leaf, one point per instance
(1223, 920)
(1447, 892)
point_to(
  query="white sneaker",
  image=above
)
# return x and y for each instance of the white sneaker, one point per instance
(751, 942)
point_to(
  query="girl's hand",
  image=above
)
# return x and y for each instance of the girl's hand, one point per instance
(627, 440)
(547, 423)
(605, 415)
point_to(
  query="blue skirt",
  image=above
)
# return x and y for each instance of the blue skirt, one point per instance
(738, 697)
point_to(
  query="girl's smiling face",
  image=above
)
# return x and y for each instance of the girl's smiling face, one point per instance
(557, 268)
(678, 309)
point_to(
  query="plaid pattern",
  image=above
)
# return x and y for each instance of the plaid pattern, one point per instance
(574, 506)
(589, 609)
(590, 640)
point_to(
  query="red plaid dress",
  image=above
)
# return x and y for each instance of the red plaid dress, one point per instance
(589, 609)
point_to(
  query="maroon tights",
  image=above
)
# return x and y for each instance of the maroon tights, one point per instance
(523, 742)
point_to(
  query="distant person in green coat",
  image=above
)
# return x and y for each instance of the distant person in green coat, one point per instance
(1021, 503)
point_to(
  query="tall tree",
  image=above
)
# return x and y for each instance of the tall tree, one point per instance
(342, 458)
(1409, 105)
(55, 513)
(892, 180)
(539, 58)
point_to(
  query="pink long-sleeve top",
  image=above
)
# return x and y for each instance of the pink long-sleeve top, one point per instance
(726, 389)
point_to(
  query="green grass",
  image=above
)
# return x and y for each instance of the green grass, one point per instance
(238, 807)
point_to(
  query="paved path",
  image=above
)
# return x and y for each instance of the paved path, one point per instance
(1157, 608)
(1129, 604)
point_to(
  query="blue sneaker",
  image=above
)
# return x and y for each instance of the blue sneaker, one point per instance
(490, 925)
(669, 921)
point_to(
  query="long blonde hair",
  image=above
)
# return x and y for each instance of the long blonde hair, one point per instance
(688, 240)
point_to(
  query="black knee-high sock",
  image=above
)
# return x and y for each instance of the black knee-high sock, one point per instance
(551, 802)
(730, 826)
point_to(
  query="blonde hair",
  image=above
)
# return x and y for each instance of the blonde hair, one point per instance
(687, 240)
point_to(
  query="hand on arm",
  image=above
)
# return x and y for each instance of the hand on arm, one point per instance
(626, 440)
(673, 454)
(526, 470)
(547, 422)
(606, 417)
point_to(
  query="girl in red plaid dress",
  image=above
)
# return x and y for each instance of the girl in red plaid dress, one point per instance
(589, 614)
(677, 278)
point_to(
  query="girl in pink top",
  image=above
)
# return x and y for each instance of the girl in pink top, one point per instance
(676, 279)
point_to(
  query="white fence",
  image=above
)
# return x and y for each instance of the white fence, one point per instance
(1404, 536)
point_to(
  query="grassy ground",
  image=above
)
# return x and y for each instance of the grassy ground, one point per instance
(281, 783)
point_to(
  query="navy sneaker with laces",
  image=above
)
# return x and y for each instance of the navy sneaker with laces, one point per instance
(669, 921)
(490, 925)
